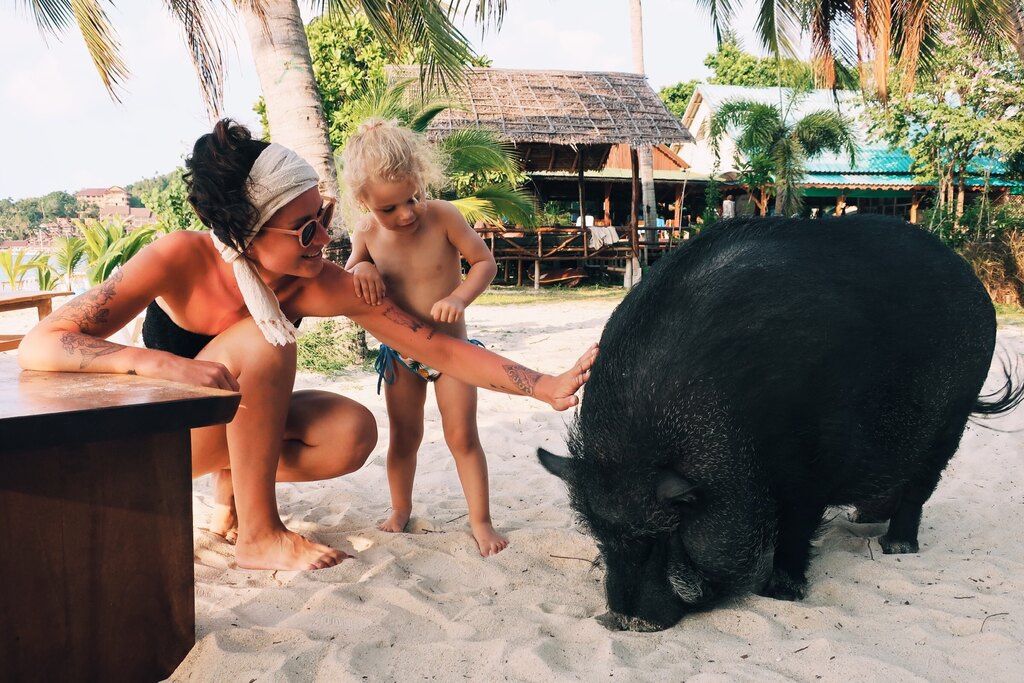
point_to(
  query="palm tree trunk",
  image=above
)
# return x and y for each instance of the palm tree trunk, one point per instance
(294, 110)
(646, 160)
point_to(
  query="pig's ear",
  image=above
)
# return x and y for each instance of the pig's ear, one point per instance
(674, 489)
(555, 464)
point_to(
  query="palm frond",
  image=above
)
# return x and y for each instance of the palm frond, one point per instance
(493, 202)
(789, 161)
(51, 16)
(757, 123)
(201, 27)
(778, 26)
(488, 12)
(826, 130)
(101, 41)
(425, 25)
(720, 12)
(475, 150)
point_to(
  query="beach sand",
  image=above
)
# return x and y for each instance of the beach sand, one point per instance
(426, 606)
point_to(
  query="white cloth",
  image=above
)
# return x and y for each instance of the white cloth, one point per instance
(728, 208)
(278, 176)
(600, 236)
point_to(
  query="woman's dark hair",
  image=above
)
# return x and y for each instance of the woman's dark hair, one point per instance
(216, 180)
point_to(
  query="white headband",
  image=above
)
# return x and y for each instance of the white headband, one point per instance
(278, 176)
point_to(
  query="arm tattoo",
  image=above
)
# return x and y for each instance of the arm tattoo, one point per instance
(396, 315)
(523, 378)
(90, 308)
(90, 348)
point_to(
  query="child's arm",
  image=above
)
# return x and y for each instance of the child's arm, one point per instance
(482, 267)
(365, 277)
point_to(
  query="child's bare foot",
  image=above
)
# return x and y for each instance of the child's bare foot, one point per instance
(488, 540)
(285, 550)
(396, 523)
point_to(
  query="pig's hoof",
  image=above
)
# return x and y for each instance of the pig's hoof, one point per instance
(783, 587)
(893, 547)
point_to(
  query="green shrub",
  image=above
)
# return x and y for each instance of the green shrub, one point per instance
(330, 347)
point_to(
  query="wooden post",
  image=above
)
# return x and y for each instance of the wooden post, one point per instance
(536, 264)
(677, 216)
(629, 275)
(608, 203)
(915, 202)
(583, 204)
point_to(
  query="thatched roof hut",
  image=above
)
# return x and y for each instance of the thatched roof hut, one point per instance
(551, 115)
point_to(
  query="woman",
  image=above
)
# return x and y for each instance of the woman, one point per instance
(220, 312)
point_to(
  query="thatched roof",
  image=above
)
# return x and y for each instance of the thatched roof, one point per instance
(559, 107)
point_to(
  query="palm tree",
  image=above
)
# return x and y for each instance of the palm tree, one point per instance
(645, 160)
(882, 31)
(68, 252)
(482, 169)
(109, 244)
(776, 147)
(281, 53)
(15, 265)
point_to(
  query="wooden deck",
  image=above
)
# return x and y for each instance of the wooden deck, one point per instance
(548, 249)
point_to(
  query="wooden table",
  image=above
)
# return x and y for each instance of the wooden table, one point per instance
(96, 576)
(14, 301)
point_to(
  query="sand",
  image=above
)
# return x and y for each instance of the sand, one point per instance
(426, 606)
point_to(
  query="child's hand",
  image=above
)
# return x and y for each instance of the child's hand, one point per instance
(448, 309)
(368, 283)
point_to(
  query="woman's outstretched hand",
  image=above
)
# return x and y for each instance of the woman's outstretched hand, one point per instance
(559, 391)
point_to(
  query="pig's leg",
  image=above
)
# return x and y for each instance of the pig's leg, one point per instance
(796, 528)
(903, 526)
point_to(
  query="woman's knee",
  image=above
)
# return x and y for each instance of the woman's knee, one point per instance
(243, 349)
(363, 437)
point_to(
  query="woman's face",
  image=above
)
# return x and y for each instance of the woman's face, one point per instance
(282, 253)
(396, 206)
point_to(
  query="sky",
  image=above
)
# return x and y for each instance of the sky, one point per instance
(63, 132)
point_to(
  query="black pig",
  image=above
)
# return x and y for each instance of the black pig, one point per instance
(769, 369)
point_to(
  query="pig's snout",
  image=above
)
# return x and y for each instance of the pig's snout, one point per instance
(613, 621)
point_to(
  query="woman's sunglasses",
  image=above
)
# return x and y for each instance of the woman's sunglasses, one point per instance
(307, 231)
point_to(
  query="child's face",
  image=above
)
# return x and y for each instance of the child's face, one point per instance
(396, 206)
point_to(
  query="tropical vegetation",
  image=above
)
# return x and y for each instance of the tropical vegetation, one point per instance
(773, 145)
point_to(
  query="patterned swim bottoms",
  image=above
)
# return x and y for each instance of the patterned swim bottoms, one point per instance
(386, 368)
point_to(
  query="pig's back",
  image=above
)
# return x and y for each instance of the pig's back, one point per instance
(847, 339)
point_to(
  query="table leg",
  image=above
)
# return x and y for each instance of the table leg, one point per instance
(96, 581)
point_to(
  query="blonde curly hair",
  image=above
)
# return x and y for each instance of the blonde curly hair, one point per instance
(382, 150)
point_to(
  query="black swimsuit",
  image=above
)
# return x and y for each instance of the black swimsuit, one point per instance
(163, 334)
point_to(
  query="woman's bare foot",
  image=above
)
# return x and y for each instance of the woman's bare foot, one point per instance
(224, 523)
(396, 523)
(285, 550)
(488, 540)
(223, 520)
